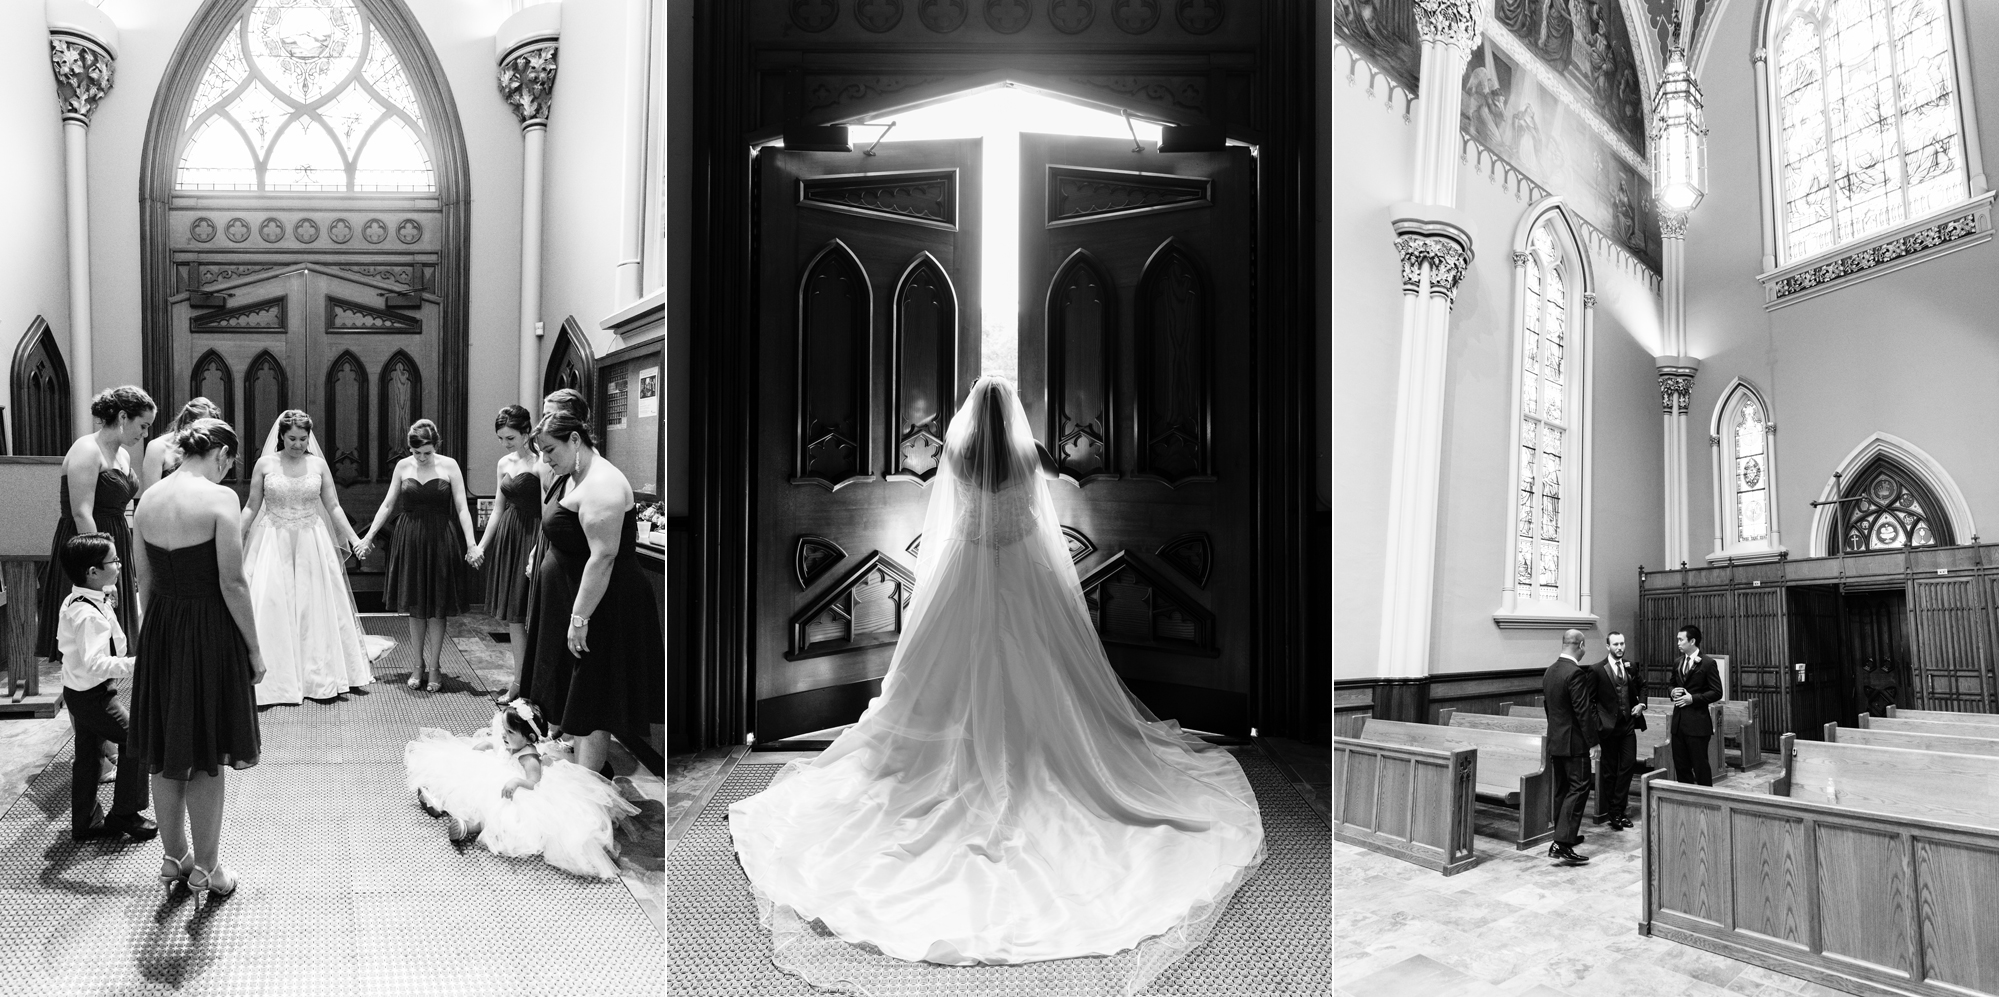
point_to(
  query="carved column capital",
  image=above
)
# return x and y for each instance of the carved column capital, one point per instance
(1673, 224)
(1676, 383)
(83, 77)
(1442, 258)
(1522, 259)
(1449, 22)
(528, 83)
(1761, 54)
(1590, 299)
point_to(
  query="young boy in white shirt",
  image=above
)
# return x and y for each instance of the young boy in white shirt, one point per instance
(95, 651)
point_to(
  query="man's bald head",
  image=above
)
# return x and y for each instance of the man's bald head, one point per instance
(1573, 640)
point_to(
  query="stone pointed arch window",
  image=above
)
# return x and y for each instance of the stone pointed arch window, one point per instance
(1868, 124)
(305, 95)
(1548, 517)
(1889, 508)
(1742, 440)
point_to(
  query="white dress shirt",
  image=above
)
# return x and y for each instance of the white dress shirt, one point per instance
(89, 638)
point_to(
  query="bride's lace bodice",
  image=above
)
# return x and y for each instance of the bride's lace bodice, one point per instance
(1009, 515)
(291, 502)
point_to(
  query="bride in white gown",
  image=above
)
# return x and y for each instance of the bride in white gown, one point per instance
(313, 644)
(1005, 799)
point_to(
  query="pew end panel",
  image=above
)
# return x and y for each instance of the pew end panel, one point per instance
(1412, 803)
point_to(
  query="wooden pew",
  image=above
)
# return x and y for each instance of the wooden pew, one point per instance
(1888, 890)
(1449, 717)
(1984, 731)
(1654, 744)
(1739, 726)
(1945, 716)
(1510, 769)
(1836, 734)
(1410, 802)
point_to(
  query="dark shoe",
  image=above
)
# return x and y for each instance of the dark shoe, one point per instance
(1623, 824)
(1568, 854)
(132, 826)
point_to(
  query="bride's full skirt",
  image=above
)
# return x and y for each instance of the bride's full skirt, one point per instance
(1005, 799)
(311, 640)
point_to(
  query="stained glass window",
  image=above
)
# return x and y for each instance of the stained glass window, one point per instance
(1540, 533)
(305, 95)
(1889, 510)
(1868, 119)
(1752, 472)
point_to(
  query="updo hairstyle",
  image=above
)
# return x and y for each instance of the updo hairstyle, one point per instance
(423, 433)
(569, 400)
(292, 419)
(128, 400)
(204, 436)
(197, 407)
(513, 417)
(560, 425)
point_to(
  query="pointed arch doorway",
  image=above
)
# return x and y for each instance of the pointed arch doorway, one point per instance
(1110, 278)
(303, 226)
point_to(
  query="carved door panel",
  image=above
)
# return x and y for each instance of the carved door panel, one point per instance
(868, 319)
(317, 339)
(1137, 368)
(1953, 620)
(1878, 655)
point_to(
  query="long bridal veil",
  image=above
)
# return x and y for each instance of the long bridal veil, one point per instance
(1005, 799)
(373, 646)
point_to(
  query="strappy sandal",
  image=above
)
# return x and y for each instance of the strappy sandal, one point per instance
(174, 871)
(416, 679)
(211, 881)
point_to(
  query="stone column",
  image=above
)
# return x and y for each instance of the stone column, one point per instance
(1676, 384)
(526, 43)
(83, 45)
(1434, 242)
(632, 203)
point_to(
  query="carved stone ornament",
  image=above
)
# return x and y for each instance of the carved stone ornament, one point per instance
(1590, 299)
(1190, 92)
(1198, 17)
(374, 231)
(528, 84)
(201, 230)
(272, 230)
(930, 196)
(1676, 383)
(878, 15)
(1135, 17)
(1673, 224)
(340, 230)
(1443, 259)
(1071, 16)
(305, 230)
(1522, 259)
(236, 229)
(409, 231)
(1009, 16)
(828, 91)
(83, 77)
(1450, 22)
(942, 16)
(814, 15)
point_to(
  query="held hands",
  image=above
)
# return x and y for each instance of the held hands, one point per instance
(361, 547)
(474, 555)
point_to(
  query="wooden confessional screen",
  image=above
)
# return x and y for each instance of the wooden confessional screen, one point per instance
(326, 341)
(1137, 351)
(868, 339)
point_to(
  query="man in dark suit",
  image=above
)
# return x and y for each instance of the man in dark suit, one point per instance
(1621, 708)
(1570, 697)
(1697, 682)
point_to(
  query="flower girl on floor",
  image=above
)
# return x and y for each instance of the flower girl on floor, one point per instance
(508, 786)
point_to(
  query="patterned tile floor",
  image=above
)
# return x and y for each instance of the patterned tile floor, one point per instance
(348, 888)
(1520, 925)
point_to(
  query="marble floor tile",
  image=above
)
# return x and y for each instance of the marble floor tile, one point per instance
(1419, 976)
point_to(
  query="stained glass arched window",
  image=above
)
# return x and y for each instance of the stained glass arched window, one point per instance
(1867, 114)
(1752, 479)
(305, 95)
(1540, 532)
(1890, 509)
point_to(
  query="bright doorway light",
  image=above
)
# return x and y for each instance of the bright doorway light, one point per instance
(998, 117)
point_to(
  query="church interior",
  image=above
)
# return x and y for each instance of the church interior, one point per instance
(1666, 353)
(396, 217)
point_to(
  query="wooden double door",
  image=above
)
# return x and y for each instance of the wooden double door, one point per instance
(1135, 361)
(357, 354)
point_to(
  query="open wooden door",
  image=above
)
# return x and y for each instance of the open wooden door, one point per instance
(868, 326)
(1137, 368)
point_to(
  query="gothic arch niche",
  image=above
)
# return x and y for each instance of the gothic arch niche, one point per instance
(391, 90)
(1082, 320)
(1172, 340)
(571, 364)
(266, 393)
(212, 379)
(41, 394)
(402, 403)
(833, 359)
(346, 432)
(924, 366)
(1945, 514)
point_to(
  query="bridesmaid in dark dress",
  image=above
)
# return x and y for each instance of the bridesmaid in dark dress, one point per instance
(194, 705)
(426, 576)
(592, 681)
(510, 533)
(97, 485)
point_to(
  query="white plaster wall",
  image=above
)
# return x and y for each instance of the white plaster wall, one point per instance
(461, 32)
(34, 279)
(585, 173)
(1915, 353)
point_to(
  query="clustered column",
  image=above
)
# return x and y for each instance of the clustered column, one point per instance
(83, 45)
(1676, 372)
(527, 48)
(1434, 243)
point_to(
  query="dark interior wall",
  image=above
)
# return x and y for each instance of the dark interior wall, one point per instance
(759, 65)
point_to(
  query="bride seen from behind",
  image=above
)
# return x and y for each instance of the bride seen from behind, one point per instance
(313, 644)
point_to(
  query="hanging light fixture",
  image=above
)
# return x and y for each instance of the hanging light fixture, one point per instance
(1680, 156)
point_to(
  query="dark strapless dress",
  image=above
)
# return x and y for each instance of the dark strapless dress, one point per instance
(619, 685)
(115, 489)
(194, 703)
(427, 573)
(506, 564)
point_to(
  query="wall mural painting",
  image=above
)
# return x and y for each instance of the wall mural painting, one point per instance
(1506, 108)
(1585, 41)
(1384, 32)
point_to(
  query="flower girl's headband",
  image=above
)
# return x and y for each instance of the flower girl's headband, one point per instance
(526, 711)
